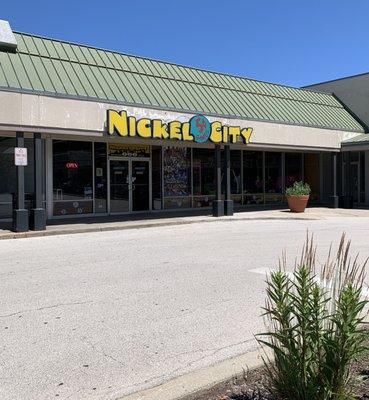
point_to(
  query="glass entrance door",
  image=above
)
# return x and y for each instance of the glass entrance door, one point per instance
(129, 185)
(119, 186)
(140, 185)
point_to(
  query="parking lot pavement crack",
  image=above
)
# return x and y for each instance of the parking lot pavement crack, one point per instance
(212, 350)
(102, 352)
(77, 303)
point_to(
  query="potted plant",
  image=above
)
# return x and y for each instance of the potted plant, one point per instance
(298, 196)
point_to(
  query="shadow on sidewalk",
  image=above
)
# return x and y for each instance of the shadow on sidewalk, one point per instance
(96, 219)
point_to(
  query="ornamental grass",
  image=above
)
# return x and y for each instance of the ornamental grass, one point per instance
(315, 325)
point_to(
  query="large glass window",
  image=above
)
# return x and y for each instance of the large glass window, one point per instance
(156, 178)
(203, 177)
(177, 177)
(100, 178)
(362, 177)
(8, 175)
(72, 177)
(293, 166)
(312, 174)
(253, 185)
(273, 177)
(236, 184)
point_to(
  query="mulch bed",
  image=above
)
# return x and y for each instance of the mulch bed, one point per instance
(253, 385)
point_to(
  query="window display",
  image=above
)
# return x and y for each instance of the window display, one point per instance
(203, 177)
(100, 178)
(72, 177)
(156, 178)
(293, 162)
(253, 184)
(273, 178)
(177, 177)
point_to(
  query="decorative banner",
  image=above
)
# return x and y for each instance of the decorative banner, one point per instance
(128, 150)
(198, 129)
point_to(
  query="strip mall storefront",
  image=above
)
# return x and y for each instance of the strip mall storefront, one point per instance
(131, 171)
(112, 134)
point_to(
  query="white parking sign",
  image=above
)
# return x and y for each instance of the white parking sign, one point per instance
(20, 156)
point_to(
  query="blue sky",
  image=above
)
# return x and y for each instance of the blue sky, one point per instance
(284, 41)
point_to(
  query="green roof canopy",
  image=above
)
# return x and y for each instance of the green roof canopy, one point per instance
(65, 69)
(360, 139)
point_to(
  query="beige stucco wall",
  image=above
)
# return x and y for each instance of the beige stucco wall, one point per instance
(55, 115)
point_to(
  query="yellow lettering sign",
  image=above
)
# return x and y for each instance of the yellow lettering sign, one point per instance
(159, 130)
(117, 122)
(144, 128)
(198, 129)
(216, 132)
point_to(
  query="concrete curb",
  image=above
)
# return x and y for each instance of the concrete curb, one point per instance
(107, 228)
(196, 383)
(189, 386)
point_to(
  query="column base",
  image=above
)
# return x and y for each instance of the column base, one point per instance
(228, 207)
(38, 219)
(218, 208)
(334, 201)
(20, 220)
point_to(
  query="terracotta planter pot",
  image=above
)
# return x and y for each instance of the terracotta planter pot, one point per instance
(297, 204)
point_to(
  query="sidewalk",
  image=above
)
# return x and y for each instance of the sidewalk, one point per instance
(100, 224)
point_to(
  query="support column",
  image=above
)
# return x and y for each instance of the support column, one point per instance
(334, 197)
(228, 202)
(38, 217)
(20, 214)
(218, 204)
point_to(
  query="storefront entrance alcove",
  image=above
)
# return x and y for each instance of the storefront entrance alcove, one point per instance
(129, 185)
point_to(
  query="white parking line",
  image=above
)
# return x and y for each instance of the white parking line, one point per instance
(267, 272)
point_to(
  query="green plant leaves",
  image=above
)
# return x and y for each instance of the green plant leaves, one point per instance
(315, 332)
(298, 189)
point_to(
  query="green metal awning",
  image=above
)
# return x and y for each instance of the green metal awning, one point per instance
(357, 140)
(54, 67)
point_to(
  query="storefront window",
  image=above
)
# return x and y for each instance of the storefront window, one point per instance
(8, 175)
(357, 176)
(253, 185)
(293, 162)
(177, 177)
(273, 177)
(236, 193)
(203, 177)
(100, 178)
(156, 178)
(72, 177)
(312, 174)
(362, 177)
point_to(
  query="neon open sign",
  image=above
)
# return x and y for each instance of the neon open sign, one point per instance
(71, 165)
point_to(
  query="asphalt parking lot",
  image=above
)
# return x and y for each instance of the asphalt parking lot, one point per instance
(101, 315)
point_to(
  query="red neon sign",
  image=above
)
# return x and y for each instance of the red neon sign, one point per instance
(71, 165)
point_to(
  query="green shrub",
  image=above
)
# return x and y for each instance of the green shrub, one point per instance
(315, 326)
(298, 189)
